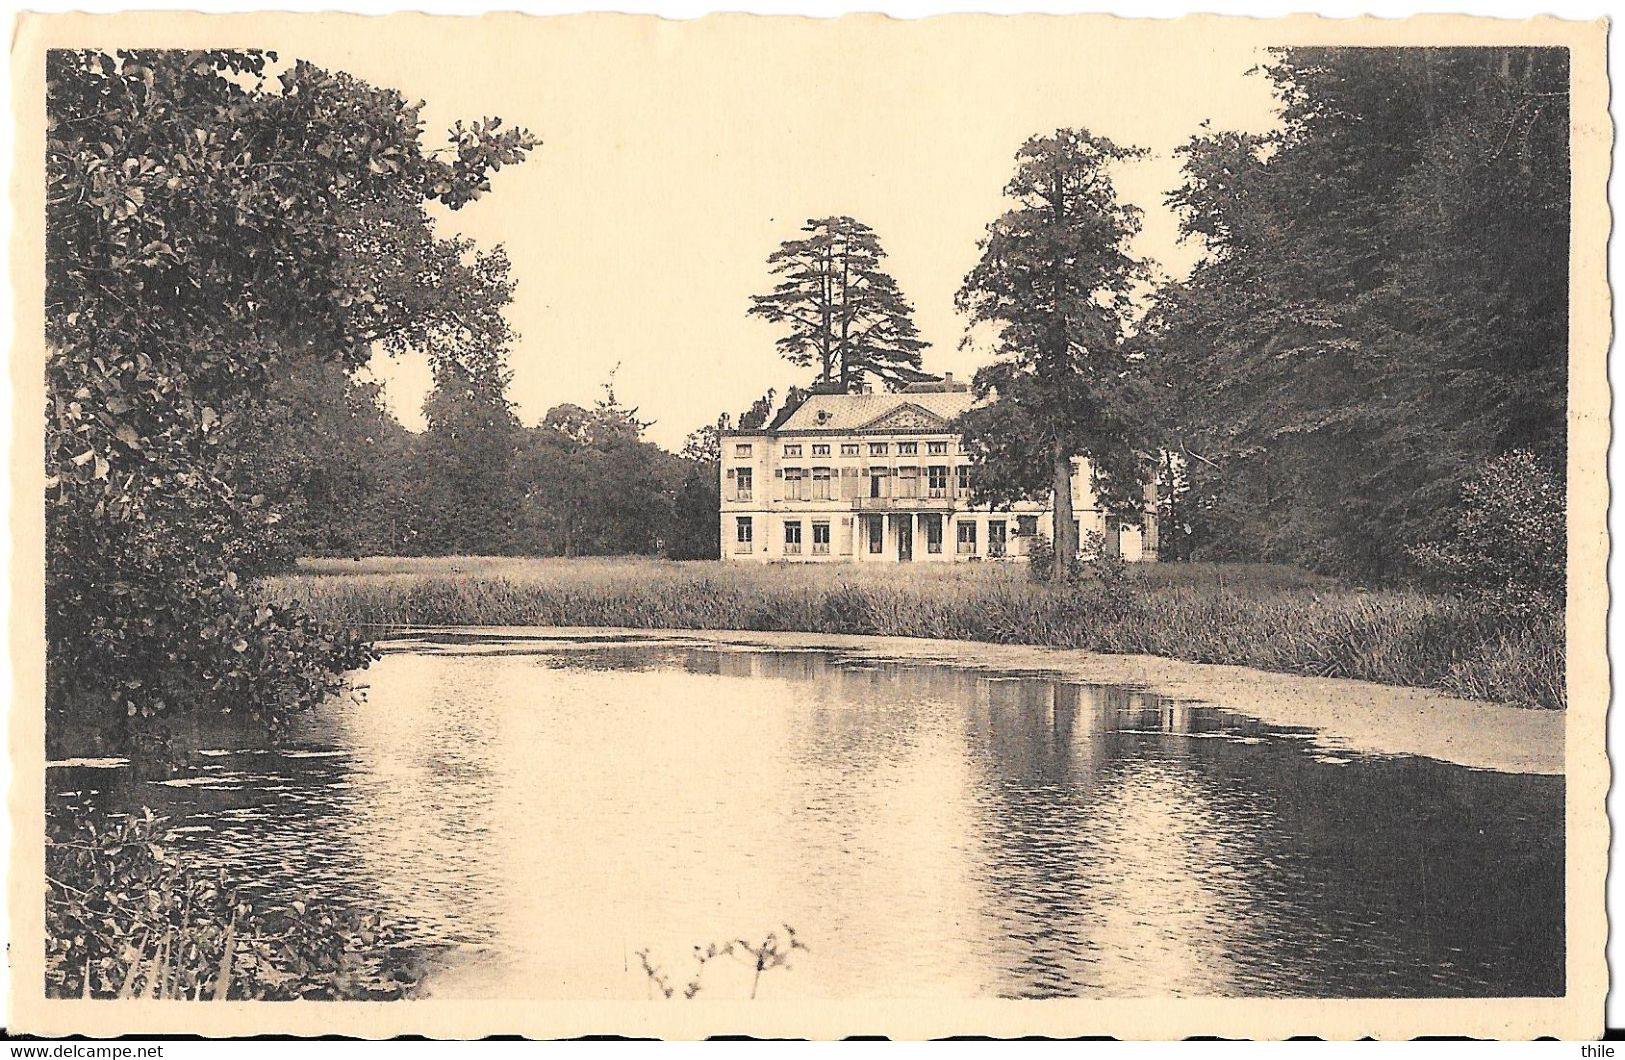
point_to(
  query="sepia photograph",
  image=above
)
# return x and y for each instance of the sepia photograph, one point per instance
(992, 525)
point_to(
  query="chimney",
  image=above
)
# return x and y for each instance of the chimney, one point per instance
(948, 377)
(866, 388)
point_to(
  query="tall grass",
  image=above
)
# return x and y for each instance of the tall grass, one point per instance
(1271, 618)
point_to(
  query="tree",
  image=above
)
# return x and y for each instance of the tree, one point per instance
(207, 226)
(591, 484)
(704, 445)
(323, 450)
(842, 312)
(696, 527)
(470, 445)
(756, 417)
(1382, 306)
(559, 476)
(1054, 281)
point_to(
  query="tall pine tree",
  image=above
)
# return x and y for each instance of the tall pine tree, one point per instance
(844, 315)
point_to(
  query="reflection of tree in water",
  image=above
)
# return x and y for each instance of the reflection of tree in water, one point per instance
(882, 829)
(1101, 870)
(428, 782)
(1410, 876)
(935, 830)
(305, 818)
(1143, 847)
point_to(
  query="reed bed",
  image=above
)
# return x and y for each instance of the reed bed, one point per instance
(1271, 618)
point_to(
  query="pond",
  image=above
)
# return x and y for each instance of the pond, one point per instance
(535, 811)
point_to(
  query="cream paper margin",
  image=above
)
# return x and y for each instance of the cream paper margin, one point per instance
(1579, 1014)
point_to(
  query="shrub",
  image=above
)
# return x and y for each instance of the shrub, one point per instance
(1041, 559)
(1506, 546)
(1093, 563)
(125, 917)
(1108, 568)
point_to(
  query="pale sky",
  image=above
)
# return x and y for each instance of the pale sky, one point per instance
(676, 156)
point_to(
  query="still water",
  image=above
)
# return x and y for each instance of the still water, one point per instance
(535, 811)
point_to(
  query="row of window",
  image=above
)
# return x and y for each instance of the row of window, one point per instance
(793, 449)
(875, 534)
(745, 534)
(907, 482)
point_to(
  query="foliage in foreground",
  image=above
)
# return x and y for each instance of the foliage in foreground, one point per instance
(1271, 618)
(212, 224)
(126, 918)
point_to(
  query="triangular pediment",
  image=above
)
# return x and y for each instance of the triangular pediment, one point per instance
(909, 417)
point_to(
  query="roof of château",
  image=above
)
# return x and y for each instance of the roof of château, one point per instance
(854, 412)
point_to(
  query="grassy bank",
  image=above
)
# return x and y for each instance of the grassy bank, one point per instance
(1267, 617)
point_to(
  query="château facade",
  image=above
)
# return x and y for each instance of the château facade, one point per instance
(880, 478)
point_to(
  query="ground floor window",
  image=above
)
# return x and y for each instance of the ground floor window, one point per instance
(792, 538)
(933, 533)
(742, 533)
(995, 537)
(877, 535)
(967, 539)
(820, 539)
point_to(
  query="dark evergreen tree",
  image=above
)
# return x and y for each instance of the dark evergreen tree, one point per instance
(760, 411)
(843, 314)
(468, 452)
(588, 484)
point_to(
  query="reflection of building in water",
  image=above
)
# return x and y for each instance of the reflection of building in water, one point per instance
(1109, 866)
(1037, 729)
(1175, 717)
(1148, 712)
(861, 478)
